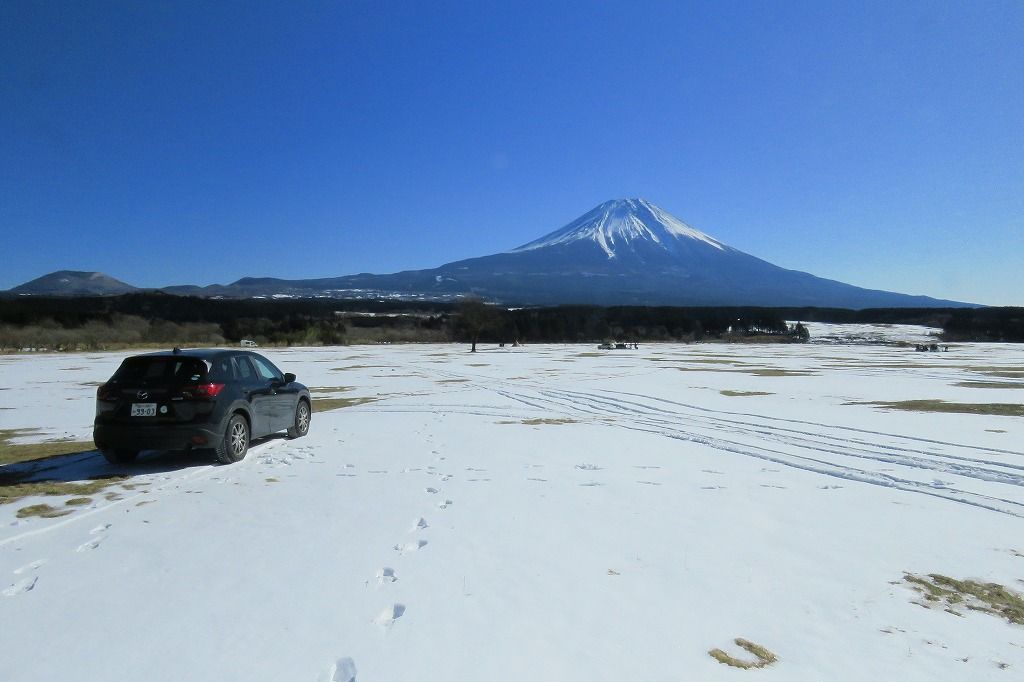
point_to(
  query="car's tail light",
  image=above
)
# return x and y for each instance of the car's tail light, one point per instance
(106, 393)
(202, 391)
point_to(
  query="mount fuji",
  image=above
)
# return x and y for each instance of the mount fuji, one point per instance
(623, 252)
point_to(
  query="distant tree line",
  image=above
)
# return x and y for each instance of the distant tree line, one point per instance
(152, 318)
(985, 324)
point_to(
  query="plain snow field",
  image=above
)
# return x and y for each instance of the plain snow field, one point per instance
(549, 513)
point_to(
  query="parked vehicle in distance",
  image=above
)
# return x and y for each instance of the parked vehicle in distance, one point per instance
(248, 343)
(197, 399)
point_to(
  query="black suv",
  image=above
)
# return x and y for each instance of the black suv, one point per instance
(196, 399)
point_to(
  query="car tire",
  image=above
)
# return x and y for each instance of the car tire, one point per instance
(302, 417)
(120, 456)
(235, 443)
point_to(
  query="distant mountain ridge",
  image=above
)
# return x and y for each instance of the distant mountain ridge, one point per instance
(622, 252)
(74, 283)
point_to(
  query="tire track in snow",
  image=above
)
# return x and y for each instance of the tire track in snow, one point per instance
(693, 423)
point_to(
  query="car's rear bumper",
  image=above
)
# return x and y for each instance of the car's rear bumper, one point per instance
(118, 436)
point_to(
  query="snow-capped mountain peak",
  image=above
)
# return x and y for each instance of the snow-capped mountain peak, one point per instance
(622, 223)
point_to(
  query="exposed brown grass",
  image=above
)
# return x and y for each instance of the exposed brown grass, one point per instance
(42, 510)
(1001, 372)
(763, 656)
(11, 453)
(778, 372)
(541, 421)
(991, 598)
(12, 491)
(997, 409)
(987, 384)
(328, 404)
(740, 394)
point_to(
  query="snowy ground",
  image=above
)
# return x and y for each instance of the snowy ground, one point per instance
(538, 513)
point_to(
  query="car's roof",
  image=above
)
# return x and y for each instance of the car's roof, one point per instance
(199, 353)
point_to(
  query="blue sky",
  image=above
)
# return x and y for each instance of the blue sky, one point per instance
(881, 144)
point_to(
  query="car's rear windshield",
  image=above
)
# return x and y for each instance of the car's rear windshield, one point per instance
(160, 370)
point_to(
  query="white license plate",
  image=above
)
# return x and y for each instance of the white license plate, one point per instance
(143, 409)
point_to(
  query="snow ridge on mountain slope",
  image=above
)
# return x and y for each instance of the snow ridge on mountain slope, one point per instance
(618, 224)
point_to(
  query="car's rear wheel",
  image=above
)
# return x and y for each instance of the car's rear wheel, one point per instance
(235, 442)
(301, 426)
(120, 455)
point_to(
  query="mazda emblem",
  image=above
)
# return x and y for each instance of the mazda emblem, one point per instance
(141, 395)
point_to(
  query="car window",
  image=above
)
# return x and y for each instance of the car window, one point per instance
(161, 369)
(243, 369)
(266, 370)
(221, 370)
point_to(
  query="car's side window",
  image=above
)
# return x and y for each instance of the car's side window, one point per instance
(266, 371)
(221, 371)
(243, 370)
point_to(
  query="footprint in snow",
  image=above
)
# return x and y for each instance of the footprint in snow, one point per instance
(389, 615)
(540, 480)
(444, 505)
(649, 482)
(408, 547)
(91, 544)
(22, 586)
(29, 567)
(432, 491)
(343, 670)
(645, 466)
(420, 524)
(588, 467)
(99, 529)
(386, 575)
(591, 484)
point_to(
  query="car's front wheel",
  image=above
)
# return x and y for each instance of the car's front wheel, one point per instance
(235, 442)
(120, 456)
(301, 426)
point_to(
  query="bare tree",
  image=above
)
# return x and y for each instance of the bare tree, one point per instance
(476, 316)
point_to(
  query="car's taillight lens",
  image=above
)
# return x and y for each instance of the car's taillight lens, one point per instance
(203, 391)
(106, 393)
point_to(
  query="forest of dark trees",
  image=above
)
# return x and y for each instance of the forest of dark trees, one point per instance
(101, 322)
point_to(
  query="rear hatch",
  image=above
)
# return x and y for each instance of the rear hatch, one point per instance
(157, 389)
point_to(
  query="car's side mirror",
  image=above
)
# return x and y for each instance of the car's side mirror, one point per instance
(289, 377)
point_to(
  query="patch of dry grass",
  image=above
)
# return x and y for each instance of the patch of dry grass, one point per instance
(12, 491)
(328, 404)
(763, 656)
(739, 394)
(42, 510)
(951, 593)
(775, 372)
(542, 421)
(1001, 372)
(11, 453)
(452, 381)
(987, 384)
(997, 409)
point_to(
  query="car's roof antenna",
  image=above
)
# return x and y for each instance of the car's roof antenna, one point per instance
(176, 351)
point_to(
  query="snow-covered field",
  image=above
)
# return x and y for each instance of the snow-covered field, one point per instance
(549, 513)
